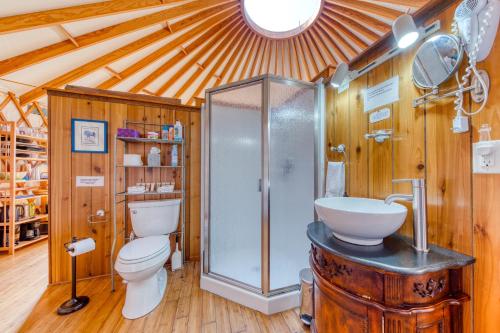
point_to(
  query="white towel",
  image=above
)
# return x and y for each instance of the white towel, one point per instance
(335, 179)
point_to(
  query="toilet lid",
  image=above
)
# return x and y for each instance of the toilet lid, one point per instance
(141, 248)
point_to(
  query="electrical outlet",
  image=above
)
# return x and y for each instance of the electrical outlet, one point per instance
(486, 157)
(486, 161)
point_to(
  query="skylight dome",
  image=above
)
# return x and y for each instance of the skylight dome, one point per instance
(280, 18)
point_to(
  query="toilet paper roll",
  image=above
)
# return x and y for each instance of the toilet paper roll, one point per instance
(82, 246)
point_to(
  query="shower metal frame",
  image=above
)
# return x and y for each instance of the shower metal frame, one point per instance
(319, 166)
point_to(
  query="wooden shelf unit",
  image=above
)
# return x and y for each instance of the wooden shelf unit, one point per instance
(13, 190)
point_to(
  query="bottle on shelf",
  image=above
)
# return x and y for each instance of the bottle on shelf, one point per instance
(174, 156)
(178, 131)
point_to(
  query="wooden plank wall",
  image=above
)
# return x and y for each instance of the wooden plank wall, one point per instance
(463, 209)
(70, 206)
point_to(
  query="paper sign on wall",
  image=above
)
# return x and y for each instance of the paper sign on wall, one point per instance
(89, 181)
(382, 94)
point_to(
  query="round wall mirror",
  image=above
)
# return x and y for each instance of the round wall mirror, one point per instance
(437, 60)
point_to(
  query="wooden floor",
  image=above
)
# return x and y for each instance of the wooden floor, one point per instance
(185, 308)
(23, 279)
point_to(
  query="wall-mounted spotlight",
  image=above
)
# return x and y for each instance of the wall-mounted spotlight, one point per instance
(340, 75)
(405, 31)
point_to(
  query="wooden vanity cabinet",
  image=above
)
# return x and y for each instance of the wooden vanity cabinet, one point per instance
(353, 298)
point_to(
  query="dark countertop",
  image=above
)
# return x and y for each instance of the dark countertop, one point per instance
(396, 254)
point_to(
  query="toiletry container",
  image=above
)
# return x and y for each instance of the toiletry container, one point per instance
(178, 131)
(174, 156)
(154, 157)
(132, 160)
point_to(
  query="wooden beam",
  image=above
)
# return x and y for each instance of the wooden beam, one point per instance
(365, 25)
(253, 60)
(149, 92)
(239, 51)
(211, 56)
(68, 35)
(110, 57)
(282, 56)
(369, 7)
(177, 42)
(343, 46)
(228, 54)
(321, 41)
(301, 56)
(113, 72)
(246, 48)
(58, 49)
(275, 72)
(345, 32)
(57, 16)
(28, 112)
(209, 28)
(221, 33)
(100, 93)
(310, 58)
(42, 115)
(13, 98)
(250, 56)
(293, 59)
(312, 42)
(2, 106)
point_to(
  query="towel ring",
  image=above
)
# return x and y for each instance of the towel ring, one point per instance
(340, 149)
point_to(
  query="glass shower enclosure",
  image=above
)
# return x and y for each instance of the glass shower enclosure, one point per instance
(262, 165)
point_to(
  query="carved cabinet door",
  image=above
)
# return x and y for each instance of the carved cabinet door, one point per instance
(336, 313)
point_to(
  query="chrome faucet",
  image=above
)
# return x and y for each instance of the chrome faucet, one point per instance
(419, 203)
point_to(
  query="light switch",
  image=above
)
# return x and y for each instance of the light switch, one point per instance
(486, 157)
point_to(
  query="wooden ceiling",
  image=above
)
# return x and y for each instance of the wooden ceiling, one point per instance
(178, 48)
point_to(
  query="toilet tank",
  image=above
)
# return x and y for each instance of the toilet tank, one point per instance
(154, 217)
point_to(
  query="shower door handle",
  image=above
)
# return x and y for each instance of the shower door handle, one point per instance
(260, 185)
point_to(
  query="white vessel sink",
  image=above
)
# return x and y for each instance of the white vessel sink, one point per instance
(360, 221)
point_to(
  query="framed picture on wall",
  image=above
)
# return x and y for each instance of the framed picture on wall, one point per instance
(89, 136)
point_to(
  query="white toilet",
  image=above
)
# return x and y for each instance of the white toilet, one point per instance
(140, 262)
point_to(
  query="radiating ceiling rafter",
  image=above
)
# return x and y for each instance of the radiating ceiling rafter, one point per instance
(48, 52)
(238, 51)
(190, 51)
(343, 49)
(365, 25)
(370, 8)
(241, 56)
(209, 22)
(228, 53)
(109, 58)
(196, 56)
(34, 20)
(211, 55)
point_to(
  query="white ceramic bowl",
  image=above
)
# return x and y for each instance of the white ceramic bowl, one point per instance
(360, 221)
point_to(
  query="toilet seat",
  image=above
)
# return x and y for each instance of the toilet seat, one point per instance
(142, 253)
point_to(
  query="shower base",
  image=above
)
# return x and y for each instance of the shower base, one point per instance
(266, 305)
(248, 271)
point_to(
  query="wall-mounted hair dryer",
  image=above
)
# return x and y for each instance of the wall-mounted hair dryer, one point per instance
(477, 24)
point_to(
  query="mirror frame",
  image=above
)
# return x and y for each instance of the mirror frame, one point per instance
(461, 51)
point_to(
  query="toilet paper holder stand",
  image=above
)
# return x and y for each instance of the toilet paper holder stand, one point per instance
(75, 303)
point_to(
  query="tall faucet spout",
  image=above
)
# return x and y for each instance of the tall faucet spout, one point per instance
(395, 197)
(419, 203)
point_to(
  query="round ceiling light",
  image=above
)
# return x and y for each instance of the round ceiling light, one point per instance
(280, 18)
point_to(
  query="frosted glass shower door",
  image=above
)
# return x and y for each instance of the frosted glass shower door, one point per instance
(291, 179)
(235, 177)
